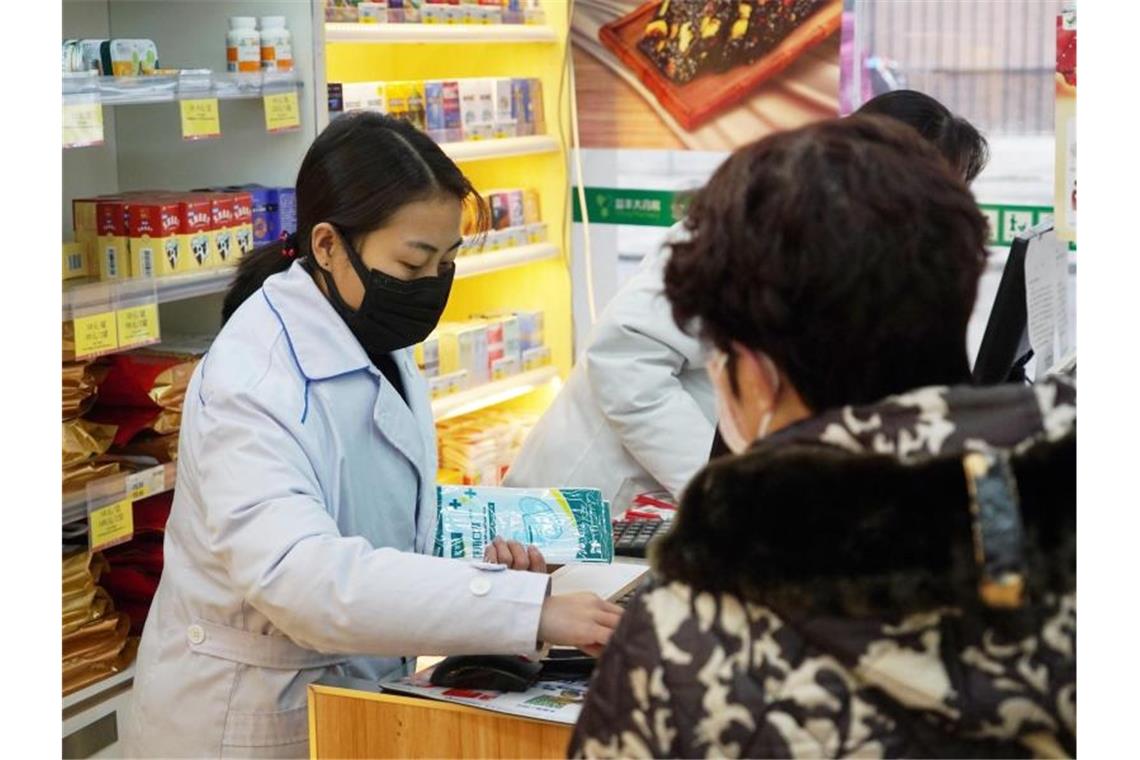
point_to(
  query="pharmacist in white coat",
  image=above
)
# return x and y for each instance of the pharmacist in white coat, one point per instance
(305, 500)
(637, 412)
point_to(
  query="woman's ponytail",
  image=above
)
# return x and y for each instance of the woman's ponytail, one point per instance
(255, 268)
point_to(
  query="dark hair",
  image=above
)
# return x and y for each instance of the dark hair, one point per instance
(957, 139)
(847, 251)
(359, 171)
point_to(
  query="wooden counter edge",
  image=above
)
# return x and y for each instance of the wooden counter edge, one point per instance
(317, 690)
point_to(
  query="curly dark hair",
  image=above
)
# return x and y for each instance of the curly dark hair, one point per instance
(847, 251)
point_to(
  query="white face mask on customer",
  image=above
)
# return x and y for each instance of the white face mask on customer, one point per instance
(734, 436)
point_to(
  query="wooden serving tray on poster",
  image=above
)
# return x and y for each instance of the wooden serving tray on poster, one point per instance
(695, 102)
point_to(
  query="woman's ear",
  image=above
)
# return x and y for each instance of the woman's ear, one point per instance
(323, 242)
(755, 382)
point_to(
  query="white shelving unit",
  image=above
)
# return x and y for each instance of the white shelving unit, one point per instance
(494, 261)
(490, 394)
(75, 504)
(438, 33)
(143, 149)
(134, 91)
(478, 150)
(184, 287)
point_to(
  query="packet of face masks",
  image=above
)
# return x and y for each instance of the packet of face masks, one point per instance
(567, 525)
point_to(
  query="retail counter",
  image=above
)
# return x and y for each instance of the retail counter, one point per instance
(349, 718)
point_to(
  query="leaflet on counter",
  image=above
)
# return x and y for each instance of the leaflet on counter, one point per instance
(566, 524)
(557, 701)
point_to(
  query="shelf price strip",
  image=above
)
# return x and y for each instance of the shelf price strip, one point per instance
(82, 124)
(96, 334)
(137, 325)
(282, 112)
(200, 119)
(116, 330)
(111, 524)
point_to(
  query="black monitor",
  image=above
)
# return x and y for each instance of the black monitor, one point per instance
(1005, 348)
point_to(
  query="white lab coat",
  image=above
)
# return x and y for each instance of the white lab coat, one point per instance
(637, 412)
(305, 484)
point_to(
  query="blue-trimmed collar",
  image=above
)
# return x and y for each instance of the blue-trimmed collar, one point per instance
(321, 342)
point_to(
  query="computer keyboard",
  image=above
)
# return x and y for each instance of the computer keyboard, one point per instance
(632, 537)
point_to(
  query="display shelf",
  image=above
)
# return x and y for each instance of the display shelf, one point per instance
(166, 289)
(186, 85)
(481, 150)
(75, 502)
(195, 285)
(494, 261)
(99, 687)
(490, 394)
(439, 33)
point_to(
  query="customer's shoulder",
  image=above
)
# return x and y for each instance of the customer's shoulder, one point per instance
(681, 616)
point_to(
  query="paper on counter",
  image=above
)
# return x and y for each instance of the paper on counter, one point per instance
(607, 581)
(1051, 333)
(557, 701)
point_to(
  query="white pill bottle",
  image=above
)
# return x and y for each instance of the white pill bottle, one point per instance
(276, 44)
(243, 45)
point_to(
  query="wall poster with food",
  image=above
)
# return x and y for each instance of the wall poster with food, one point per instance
(702, 74)
(665, 89)
(1065, 203)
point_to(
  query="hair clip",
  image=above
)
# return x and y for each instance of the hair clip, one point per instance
(289, 245)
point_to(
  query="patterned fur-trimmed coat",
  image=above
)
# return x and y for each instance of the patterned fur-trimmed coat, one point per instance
(818, 596)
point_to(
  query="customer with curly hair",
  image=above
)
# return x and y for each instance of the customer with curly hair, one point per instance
(886, 567)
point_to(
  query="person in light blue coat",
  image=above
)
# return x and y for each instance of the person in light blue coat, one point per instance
(305, 501)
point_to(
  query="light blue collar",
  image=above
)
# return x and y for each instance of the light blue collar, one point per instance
(320, 340)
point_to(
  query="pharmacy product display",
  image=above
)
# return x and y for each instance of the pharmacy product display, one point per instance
(276, 44)
(478, 449)
(126, 412)
(135, 567)
(450, 110)
(436, 11)
(461, 355)
(243, 45)
(118, 58)
(160, 233)
(96, 640)
(566, 524)
(515, 218)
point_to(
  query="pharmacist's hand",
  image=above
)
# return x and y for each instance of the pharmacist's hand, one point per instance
(582, 620)
(515, 556)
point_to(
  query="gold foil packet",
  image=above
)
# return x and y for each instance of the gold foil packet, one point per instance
(77, 476)
(80, 386)
(83, 439)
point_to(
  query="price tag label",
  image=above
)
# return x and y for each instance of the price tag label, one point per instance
(200, 119)
(111, 525)
(282, 113)
(138, 325)
(146, 483)
(96, 334)
(82, 124)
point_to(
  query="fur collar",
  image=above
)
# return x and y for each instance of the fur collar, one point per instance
(803, 524)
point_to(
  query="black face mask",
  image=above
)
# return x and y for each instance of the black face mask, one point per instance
(395, 313)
